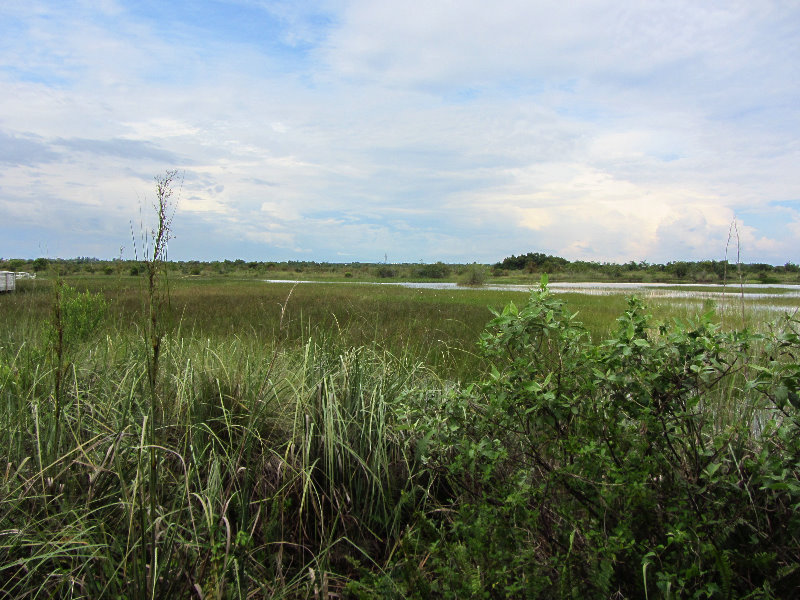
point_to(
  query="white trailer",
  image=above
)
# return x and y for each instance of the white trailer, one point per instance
(8, 281)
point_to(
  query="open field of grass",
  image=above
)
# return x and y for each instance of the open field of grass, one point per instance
(340, 440)
(437, 327)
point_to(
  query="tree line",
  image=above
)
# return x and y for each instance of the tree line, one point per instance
(702, 270)
(531, 263)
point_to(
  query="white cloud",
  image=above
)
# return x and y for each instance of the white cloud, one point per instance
(435, 130)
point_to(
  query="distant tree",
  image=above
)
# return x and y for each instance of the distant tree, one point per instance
(474, 274)
(533, 262)
(759, 268)
(679, 268)
(40, 264)
(437, 270)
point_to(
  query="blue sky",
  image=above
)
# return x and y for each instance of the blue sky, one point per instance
(457, 131)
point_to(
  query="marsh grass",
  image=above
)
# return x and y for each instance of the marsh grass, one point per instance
(286, 459)
(438, 327)
(262, 473)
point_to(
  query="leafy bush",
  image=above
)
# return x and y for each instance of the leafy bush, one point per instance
(386, 271)
(40, 264)
(474, 274)
(437, 270)
(631, 469)
(79, 315)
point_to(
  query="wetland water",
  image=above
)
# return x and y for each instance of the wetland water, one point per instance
(767, 300)
(693, 291)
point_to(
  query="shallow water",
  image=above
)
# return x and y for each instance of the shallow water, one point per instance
(645, 290)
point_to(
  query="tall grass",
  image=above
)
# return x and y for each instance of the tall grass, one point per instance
(271, 469)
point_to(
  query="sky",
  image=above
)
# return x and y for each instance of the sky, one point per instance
(435, 130)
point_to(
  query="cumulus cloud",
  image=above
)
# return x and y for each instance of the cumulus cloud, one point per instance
(436, 130)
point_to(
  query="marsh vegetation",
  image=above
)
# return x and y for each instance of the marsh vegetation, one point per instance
(371, 441)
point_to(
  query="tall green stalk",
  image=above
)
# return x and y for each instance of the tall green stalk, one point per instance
(58, 352)
(155, 260)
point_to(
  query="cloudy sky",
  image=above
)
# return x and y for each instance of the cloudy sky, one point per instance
(350, 130)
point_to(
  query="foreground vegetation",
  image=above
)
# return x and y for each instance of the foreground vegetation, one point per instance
(246, 440)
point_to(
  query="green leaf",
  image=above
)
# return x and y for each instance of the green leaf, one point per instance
(781, 395)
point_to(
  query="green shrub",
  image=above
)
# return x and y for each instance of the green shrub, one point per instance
(40, 264)
(437, 270)
(80, 317)
(624, 469)
(386, 271)
(474, 274)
